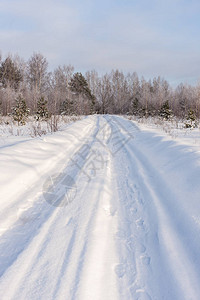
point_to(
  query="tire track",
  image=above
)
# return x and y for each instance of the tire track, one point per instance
(17, 238)
(173, 257)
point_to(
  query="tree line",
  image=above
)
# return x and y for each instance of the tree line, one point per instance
(30, 85)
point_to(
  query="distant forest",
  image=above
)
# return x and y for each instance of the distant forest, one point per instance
(65, 92)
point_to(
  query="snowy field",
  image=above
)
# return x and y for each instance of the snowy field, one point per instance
(105, 208)
(33, 128)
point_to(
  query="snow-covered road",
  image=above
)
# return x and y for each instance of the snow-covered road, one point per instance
(101, 210)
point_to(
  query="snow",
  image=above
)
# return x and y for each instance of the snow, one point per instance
(33, 128)
(106, 208)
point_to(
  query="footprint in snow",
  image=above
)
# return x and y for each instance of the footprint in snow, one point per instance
(141, 248)
(145, 260)
(140, 224)
(130, 245)
(140, 201)
(133, 210)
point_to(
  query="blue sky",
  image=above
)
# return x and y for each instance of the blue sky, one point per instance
(150, 37)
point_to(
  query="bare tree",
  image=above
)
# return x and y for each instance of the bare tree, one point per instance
(37, 76)
(60, 90)
(68, 93)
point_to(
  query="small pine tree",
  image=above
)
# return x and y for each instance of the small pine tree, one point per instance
(42, 111)
(191, 120)
(92, 104)
(151, 112)
(135, 106)
(20, 112)
(165, 111)
(66, 107)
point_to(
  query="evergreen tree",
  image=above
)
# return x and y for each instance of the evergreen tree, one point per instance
(42, 110)
(20, 111)
(191, 119)
(136, 108)
(66, 107)
(165, 111)
(151, 111)
(79, 86)
(92, 104)
(10, 75)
